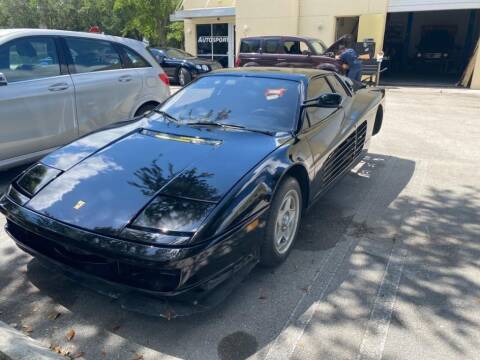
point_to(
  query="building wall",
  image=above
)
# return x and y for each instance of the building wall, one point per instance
(259, 17)
(315, 18)
(201, 4)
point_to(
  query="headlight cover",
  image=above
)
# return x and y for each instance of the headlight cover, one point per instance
(36, 178)
(170, 214)
(202, 67)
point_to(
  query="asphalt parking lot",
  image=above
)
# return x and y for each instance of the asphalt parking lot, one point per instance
(386, 265)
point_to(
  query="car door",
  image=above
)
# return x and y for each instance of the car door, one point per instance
(272, 53)
(297, 53)
(105, 91)
(322, 128)
(37, 105)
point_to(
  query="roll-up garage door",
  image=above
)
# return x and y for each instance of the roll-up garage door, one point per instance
(430, 5)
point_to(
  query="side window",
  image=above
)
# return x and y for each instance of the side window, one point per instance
(250, 46)
(29, 59)
(316, 88)
(295, 47)
(272, 46)
(304, 49)
(93, 55)
(339, 89)
(135, 60)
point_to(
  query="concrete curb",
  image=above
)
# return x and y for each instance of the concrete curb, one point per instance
(16, 346)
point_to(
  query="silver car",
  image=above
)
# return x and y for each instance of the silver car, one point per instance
(56, 86)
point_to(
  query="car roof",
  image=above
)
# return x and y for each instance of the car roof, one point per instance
(12, 33)
(297, 74)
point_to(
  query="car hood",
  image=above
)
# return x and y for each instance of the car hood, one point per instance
(110, 176)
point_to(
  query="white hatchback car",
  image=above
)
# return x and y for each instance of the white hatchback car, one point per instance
(56, 86)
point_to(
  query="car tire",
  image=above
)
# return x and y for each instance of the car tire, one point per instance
(145, 108)
(184, 76)
(282, 224)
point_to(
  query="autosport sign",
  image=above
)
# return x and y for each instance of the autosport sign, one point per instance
(212, 39)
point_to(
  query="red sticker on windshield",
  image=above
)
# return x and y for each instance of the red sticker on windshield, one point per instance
(273, 94)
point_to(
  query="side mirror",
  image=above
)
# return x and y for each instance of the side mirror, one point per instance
(3, 80)
(330, 100)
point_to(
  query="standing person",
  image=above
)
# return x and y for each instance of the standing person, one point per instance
(350, 61)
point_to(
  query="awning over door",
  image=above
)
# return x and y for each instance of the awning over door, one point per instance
(431, 5)
(202, 13)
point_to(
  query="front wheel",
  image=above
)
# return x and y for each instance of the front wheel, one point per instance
(283, 223)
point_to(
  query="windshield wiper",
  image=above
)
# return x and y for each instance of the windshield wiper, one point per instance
(166, 115)
(229, 126)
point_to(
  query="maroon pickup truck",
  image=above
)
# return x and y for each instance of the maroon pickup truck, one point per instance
(287, 51)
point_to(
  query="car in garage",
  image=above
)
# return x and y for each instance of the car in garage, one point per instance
(436, 47)
(228, 166)
(182, 67)
(56, 86)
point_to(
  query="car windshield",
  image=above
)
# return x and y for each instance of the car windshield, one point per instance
(318, 46)
(178, 54)
(251, 102)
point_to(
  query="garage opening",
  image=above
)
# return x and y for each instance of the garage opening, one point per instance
(347, 26)
(429, 48)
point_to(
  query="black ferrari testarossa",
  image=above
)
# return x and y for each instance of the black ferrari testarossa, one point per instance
(199, 190)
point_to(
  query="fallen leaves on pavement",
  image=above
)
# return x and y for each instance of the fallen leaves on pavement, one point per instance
(27, 328)
(70, 335)
(59, 350)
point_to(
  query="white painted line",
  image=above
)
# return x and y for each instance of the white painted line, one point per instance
(286, 343)
(375, 336)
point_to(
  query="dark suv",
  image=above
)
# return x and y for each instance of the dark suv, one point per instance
(286, 51)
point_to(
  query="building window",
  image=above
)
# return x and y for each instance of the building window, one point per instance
(212, 42)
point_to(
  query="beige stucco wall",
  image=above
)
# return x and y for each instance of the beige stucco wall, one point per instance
(199, 4)
(266, 17)
(373, 26)
(316, 18)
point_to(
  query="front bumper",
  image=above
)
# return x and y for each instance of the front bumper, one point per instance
(115, 266)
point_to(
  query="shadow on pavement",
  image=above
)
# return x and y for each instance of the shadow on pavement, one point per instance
(255, 314)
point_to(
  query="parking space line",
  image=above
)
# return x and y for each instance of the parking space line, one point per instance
(375, 336)
(284, 345)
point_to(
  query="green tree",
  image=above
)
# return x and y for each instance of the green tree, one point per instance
(150, 18)
(138, 19)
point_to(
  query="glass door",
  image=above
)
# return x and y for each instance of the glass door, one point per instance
(214, 42)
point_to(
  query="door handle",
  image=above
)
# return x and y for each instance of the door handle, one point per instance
(125, 78)
(58, 87)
